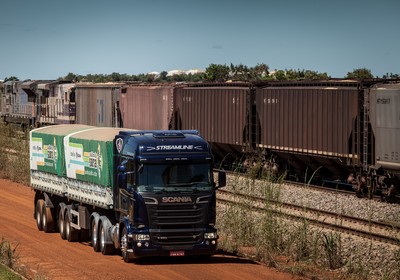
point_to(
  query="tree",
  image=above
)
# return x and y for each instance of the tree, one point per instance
(359, 74)
(70, 77)
(12, 78)
(217, 73)
(259, 72)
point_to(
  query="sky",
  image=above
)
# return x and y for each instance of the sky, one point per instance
(47, 39)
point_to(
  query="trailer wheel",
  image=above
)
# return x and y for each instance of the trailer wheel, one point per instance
(71, 234)
(39, 215)
(47, 219)
(61, 224)
(95, 235)
(106, 249)
(125, 246)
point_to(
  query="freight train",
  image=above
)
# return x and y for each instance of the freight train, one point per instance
(344, 132)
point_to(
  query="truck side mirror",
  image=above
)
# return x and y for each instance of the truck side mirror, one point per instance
(221, 179)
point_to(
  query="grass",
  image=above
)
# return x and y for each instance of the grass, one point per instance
(7, 274)
(292, 246)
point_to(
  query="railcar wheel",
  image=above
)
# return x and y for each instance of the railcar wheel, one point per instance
(95, 235)
(39, 215)
(47, 219)
(106, 249)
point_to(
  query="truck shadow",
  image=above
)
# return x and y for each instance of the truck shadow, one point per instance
(220, 257)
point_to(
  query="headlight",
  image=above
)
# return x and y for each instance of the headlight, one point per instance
(141, 237)
(210, 235)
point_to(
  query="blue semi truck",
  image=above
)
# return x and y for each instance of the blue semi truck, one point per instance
(140, 193)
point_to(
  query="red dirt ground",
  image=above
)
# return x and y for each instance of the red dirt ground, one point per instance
(47, 255)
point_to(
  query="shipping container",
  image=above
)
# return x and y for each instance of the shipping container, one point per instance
(147, 106)
(96, 104)
(219, 111)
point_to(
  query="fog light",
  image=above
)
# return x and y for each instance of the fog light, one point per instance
(146, 244)
(207, 242)
(139, 244)
(141, 237)
(210, 235)
(213, 242)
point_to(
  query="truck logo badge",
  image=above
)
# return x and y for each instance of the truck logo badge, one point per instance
(178, 199)
(118, 144)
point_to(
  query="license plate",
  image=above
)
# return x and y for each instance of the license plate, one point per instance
(176, 253)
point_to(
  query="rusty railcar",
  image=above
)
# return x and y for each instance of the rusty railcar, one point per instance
(147, 106)
(221, 113)
(311, 124)
(97, 104)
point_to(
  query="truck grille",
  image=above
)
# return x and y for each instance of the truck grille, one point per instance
(178, 223)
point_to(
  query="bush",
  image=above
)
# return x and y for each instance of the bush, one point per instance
(14, 153)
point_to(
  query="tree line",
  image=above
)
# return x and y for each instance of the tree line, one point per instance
(221, 73)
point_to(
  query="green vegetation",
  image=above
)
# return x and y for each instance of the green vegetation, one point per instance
(7, 274)
(14, 153)
(8, 261)
(220, 73)
(290, 245)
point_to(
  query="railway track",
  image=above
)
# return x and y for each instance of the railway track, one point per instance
(373, 230)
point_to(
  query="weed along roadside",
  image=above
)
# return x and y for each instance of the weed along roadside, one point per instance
(10, 268)
(14, 154)
(296, 245)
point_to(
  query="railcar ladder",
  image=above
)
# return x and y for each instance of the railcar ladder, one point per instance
(366, 130)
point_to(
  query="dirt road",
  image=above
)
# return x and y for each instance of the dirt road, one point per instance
(46, 254)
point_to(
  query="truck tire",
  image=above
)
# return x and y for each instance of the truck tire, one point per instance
(125, 246)
(47, 219)
(71, 234)
(61, 223)
(95, 235)
(106, 249)
(39, 215)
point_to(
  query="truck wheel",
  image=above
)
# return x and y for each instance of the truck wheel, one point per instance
(47, 219)
(61, 225)
(71, 234)
(39, 215)
(95, 236)
(106, 249)
(125, 246)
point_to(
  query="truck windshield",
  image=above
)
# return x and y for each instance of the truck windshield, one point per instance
(185, 178)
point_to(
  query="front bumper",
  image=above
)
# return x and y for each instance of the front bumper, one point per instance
(147, 249)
